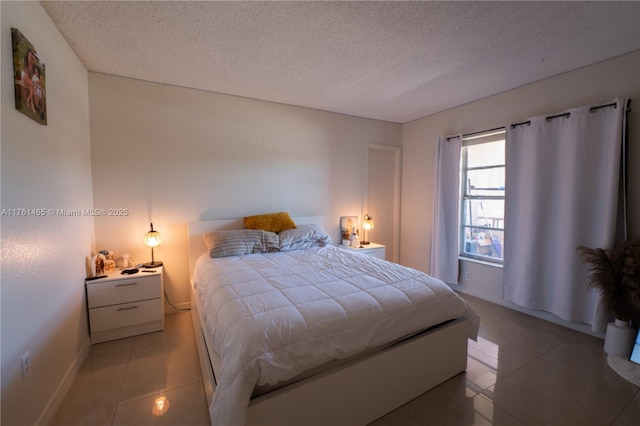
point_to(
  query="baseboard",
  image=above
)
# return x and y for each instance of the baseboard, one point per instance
(177, 307)
(583, 328)
(47, 415)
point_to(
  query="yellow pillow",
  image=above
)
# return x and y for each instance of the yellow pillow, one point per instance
(272, 222)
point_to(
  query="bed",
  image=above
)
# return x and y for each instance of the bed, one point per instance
(334, 343)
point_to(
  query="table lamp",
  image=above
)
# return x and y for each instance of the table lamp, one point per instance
(152, 239)
(367, 225)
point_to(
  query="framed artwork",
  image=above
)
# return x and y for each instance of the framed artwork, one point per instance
(349, 225)
(29, 78)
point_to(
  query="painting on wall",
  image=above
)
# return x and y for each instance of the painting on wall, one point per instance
(29, 78)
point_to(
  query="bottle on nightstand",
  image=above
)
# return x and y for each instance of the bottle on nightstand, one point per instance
(355, 242)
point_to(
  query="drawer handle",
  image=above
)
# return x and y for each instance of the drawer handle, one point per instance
(126, 284)
(128, 308)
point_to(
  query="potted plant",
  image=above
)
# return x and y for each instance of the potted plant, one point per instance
(616, 274)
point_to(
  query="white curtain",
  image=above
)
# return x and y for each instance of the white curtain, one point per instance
(446, 205)
(562, 177)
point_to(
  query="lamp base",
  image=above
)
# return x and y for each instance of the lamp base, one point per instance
(154, 264)
(364, 243)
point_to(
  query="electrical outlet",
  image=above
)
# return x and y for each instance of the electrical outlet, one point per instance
(26, 365)
(468, 276)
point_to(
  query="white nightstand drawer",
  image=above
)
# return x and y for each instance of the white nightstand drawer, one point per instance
(372, 249)
(125, 314)
(116, 291)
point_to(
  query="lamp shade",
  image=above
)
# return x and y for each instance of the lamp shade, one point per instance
(152, 238)
(367, 224)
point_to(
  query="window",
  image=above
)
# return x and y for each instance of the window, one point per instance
(482, 196)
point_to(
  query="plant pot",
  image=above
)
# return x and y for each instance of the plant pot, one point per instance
(619, 338)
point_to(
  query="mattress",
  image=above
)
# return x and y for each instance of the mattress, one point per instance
(273, 316)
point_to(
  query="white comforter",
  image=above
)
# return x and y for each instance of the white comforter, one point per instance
(276, 315)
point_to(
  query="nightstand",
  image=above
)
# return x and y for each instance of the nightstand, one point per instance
(125, 305)
(371, 249)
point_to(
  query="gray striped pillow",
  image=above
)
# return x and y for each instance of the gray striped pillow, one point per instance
(237, 242)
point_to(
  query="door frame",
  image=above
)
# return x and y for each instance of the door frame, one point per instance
(397, 176)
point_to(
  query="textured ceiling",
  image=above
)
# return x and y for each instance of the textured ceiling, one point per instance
(394, 61)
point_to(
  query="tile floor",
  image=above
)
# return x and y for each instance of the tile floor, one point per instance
(521, 371)
(120, 381)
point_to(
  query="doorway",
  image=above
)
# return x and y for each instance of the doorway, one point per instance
(382, 198)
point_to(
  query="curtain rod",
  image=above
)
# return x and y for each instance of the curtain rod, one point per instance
(466, 135)
(567, 114)
(549, 118)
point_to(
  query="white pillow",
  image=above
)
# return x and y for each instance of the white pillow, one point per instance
(303, 237)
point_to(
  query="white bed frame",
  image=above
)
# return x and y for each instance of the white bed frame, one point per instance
(355, 393)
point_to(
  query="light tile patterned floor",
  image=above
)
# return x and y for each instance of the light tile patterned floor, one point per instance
(521, 371)
(120, 381)
(526, 371)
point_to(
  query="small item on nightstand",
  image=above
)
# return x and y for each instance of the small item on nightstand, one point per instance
(97, 265)
(109, 263)
(129, 271)
(92, 264)
(355, 242)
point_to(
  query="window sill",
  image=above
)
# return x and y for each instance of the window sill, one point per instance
(481, 262)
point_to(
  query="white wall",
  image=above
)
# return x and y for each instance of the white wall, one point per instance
(590, 85)
(43, 258)
(171, 155)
